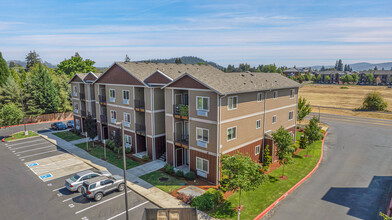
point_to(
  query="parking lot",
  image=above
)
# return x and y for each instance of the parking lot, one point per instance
(34, 188)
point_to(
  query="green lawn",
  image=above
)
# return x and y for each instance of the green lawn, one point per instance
(21, 135)
(255, 202)
(110, 155)
(168, 186)
(67, 136)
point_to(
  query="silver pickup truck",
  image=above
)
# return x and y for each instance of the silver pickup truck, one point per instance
(99, 186)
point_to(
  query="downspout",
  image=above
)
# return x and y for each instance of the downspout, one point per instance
(265, 100)
(219, 138)
(296, 113)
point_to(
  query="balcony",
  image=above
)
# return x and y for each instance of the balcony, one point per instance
(104, 119)
(180, 111)
(181, 140)
(139, 105)
(83, 96)
(140, 129)
(102, 99)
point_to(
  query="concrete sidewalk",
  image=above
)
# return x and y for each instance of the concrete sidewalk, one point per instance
(146, 168)
(150, 192)
(79, 141)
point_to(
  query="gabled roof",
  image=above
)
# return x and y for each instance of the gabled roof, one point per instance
(82, 76)
(230, 83)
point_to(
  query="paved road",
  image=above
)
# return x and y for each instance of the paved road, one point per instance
(354, 180)
(25, 196)
(33, 127)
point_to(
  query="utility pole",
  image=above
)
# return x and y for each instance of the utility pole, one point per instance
(125, 169)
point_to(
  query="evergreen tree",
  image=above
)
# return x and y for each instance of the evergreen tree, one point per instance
(322, 68)
(267, 157)
(340, 65)
(44, 94)
(4, 70)
(375, 68)
(127, 59)
(77, 55)
(10, 93)
(178, 61)
(64, 92)
(10, 114)
(32, 58)
(11, 64)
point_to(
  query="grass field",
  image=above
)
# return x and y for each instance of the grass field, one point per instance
(170, 185)
(67, 136)
(110, 155)
(256, 201)
(20, 135)
(349, 98)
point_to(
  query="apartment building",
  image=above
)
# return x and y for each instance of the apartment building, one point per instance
(83, 97)
(187, 114)
(210, 114)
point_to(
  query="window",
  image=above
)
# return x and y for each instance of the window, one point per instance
(275, 94)
(128, 141)
(76, 107)
(127, 120)
(77, 123)
(125, 97)
(113, 116)
(291, 115)
(202, 164)
(112, 95)
(232, 102)
(258, 124)
(292, 93)
(259, 97)
(75, 91)
(257, 150)
(203, 103)
(231, 133)
(202, 134)
(274, 119)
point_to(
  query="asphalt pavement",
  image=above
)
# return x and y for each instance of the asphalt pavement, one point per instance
(354, 180)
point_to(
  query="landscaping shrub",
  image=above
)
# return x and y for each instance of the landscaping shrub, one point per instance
(169, 169)
(218, 195)
(110, 144)
(374, 102)
(303, 142)
(344, 87)
(190, 175)
(224, 211)
(145, 158)
(164, 167)
(180, 173)
(205, 202)
(77, 132)
(127, 150)
(267, 158)
(185, 198)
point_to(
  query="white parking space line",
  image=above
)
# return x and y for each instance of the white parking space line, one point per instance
(59, 188)
(122, 213)
(38, 154)
(69, 165)
(28, 146)
(26, 142)
(101, 202)
(21, 152)
(72, 198)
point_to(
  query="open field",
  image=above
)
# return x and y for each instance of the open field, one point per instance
(348, 99)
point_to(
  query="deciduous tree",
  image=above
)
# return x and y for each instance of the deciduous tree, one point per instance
(10, 114)
(304, 109)
(374, 102)
(75, 64)
(285, 148)
(313, 131)
(91, 128)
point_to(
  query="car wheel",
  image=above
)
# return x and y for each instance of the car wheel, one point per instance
(98, 196)
(121, 187)
(80, 189)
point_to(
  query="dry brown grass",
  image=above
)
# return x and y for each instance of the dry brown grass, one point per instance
(350, 99)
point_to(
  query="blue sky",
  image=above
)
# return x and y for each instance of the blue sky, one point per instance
(285, 32)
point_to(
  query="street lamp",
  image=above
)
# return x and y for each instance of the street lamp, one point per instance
(125, 167)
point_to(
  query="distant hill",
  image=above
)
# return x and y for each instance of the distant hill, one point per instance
(362, 66)
(185, 60)
(23, 63)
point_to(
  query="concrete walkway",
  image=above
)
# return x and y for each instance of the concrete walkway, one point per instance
(79, 141)
(146, 168)
(150, 192)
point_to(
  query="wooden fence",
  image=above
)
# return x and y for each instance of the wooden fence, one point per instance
(48, 117)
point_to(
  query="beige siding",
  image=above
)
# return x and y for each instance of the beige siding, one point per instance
(120, 115)
(282, 119)
(159, 99)
(148, 123)
(159, 123)
(282, 100)
(212, 142)
(169, 128)
(168, 101)
(119, 95)
(212, 113)
(247, 104)
(147, 98)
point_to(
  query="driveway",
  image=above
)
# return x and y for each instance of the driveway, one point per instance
(354, 180)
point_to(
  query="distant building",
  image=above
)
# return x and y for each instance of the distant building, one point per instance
(295, 72)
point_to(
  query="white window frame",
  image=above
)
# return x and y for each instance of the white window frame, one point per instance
(258, 121)
(77, 124)
(111, 118)
(126, 122)
(112, 99)
(227, 134)
(275, 94)
(292, 93)
(260, 94)
(292, 112)
(128, 138)
(126, 101)
(76, 107)
(75, 91)
(232, 103)
(276, 119)
(202, 160)
(202, 139)
(208, 103)
(257, 147)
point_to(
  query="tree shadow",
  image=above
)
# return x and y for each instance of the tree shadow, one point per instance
(363, 203)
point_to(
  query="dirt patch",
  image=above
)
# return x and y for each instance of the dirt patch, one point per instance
(283, 177)
(307, 156)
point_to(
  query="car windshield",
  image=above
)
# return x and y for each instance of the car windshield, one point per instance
(75, 177)
(58, 123)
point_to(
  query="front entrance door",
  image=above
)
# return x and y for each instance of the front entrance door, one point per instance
(179, 155)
